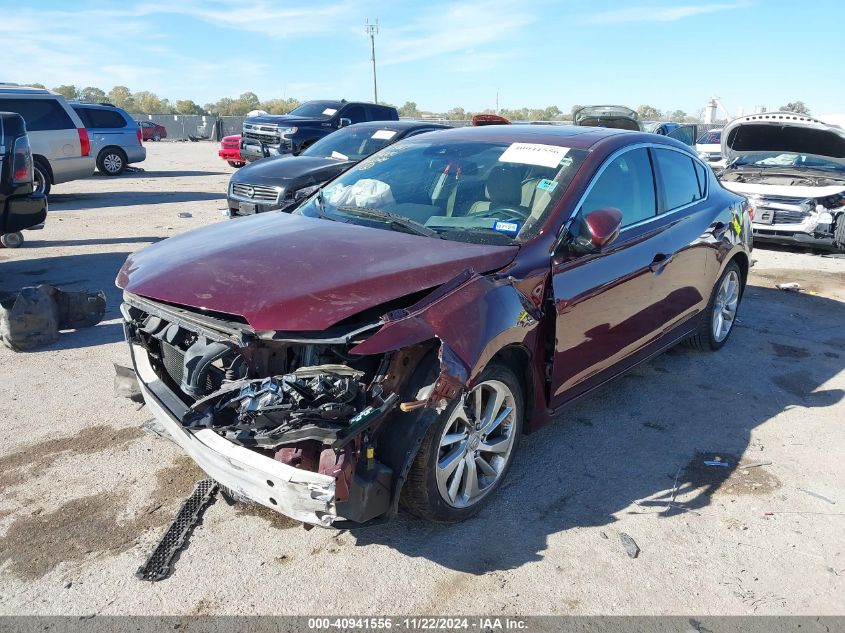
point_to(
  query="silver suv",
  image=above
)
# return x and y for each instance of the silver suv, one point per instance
(61, 147)
(115, 136)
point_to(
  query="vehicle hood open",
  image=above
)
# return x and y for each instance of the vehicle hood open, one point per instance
(782, 132)
(294, 273)
(283, 170)
(611, 116)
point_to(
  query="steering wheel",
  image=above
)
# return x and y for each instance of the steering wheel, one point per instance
(502, 213)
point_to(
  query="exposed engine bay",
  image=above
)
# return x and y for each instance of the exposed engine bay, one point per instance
(304, 403)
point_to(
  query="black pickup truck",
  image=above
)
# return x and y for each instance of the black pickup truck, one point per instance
(20, 207)
(275, 134)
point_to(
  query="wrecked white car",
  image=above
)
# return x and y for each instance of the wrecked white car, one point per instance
(792, 170)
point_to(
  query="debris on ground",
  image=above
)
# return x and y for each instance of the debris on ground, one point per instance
(818, 496)
(160, 563)
(186, 214)
(33, 317)
(716, 462)
(756, 464)
(790, 287)
(630, 545)
(126, 383)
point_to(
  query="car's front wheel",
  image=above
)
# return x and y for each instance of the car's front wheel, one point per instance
(156, 137)
(467, 452)
(720, 316)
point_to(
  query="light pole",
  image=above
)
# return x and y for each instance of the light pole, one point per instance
(372, 31)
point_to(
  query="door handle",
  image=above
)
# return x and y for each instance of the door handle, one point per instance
(660, 261)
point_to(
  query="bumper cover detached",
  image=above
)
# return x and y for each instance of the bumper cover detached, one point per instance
(300, 494)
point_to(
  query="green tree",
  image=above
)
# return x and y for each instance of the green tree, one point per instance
(37, 85)
(551, 113)
(246, 102)
(92, 94)
(409, 110)
(797, 107)
(649, 113)
(149, 103)
(186, 106)
(456, 114)
(677, 116)
(68, 92)
(122, 97)
(279, 106)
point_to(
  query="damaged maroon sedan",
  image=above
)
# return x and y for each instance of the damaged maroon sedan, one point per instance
(389, 342)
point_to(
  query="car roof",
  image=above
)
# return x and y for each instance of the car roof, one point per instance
(575, 137)
(26, 90)
(399, 126)
(90, 104)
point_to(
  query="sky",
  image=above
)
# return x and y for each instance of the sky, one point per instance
(533, 53)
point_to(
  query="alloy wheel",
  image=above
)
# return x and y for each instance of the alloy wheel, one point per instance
(725, 306)
(113, 163)
(476, 444)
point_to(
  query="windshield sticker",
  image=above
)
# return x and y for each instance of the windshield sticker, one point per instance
(534, 154)
(547, 185)
(329, 111)
(339, 156)
(384, 135)
(506, 227)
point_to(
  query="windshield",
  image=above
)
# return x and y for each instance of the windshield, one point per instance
(483, 192)
(713, 137)
(772, 160)
(316, 110)
(351, 144)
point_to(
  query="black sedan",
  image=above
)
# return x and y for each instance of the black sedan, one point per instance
(278, 182)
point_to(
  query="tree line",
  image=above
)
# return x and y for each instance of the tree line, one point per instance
(149, 103)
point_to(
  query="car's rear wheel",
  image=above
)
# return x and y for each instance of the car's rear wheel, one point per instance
(720, 316)
(467, 452)
(156, 137)
(11, 240)
(235, 163)
(43, 183)
(839, 232)
(111, 162)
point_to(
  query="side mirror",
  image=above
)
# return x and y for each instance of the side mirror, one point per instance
(344, 122)
(602, 226)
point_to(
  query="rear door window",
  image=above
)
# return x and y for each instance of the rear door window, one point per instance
(627, 184)
(98, 118)
(40, 114)
(355, 114)
(679, 182)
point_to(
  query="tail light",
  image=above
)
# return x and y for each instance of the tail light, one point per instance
(140, 137)
(84, 141)
(22, 162)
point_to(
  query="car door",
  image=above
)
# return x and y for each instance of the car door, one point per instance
(604, 301)
(686, 214)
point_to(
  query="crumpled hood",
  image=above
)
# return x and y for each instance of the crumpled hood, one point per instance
(281, 170)
(294, 273)
(782, 132)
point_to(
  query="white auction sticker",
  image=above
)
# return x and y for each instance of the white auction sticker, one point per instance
(329, 111)
(534, 154)
(339, 155)
(384, 135)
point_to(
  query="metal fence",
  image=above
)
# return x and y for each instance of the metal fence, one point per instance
(184, 127)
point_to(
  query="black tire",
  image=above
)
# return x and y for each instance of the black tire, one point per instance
(705, 339)
(11, 240)
(420, 494)
(111, 161)
(839, 232)
(43, 181)
(156, 137)
(234, 163)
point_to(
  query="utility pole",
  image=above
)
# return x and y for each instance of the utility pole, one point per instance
(372, 31)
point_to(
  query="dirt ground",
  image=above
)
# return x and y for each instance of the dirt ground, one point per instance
(85, 493)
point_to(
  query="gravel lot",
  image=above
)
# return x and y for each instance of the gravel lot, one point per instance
(85, 493)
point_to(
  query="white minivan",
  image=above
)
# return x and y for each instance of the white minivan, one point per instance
(60, 143)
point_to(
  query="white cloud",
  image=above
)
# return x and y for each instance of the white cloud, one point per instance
(660, 14)
(453, 29)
